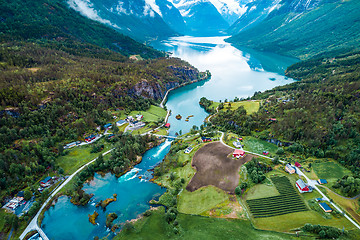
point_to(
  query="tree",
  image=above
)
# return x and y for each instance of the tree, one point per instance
(243, 185)
(115, 129)
(60, 149)
(322, 234)
(61, 171)
(172, 176)
(27, 194)
(280, 151)
(238, 190)
(276, 160)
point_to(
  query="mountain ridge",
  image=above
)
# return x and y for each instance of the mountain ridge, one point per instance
(279, 32)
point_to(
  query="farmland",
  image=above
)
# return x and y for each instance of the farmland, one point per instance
(215, 168)
(288, 201)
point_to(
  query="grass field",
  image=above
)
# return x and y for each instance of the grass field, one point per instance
(292, 221)
(78, 156)
(201, 200)
(197, 227)
(330, 170)
(261, 191)
(153, 114)
(162, 131)
(289, 201)
(250, 106)
(256, 145)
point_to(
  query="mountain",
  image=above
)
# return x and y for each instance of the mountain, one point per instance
(230, 10)
(139, 19)
(201, 17)
(256, 12)
(303, 28)
(51, 22)
(171, 16)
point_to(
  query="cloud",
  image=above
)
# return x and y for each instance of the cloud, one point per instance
(85, 7)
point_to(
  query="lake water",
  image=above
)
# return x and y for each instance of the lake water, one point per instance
(235, 73)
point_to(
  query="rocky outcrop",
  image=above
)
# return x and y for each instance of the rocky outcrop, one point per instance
(149, 89)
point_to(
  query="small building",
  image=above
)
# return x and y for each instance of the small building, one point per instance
(302, 186)
(13, 203)
(325, 207)
(120, 123)
(206, 139)
(129, 118)
(240, 138)
(272, 119)
(290, 169)
(45, 182)
(108, 126)
(90, 138)
(238, 153)
(167, 125)
(237, 144)
(139, 117)
(72, 144)
(322, 181)
(318, 199)
(137, 125)
(111, 136)
(188, 150)
(297, 165)
(265, 153)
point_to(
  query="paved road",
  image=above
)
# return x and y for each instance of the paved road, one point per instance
(351, 198)
(33, 224)
(313, 185)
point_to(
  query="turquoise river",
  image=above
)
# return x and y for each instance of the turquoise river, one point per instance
(235, 73)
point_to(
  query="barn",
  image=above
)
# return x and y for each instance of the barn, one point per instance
(325, 207)
(302, 186)
(297, 165)
(238, 153)
(290, 169)
(322, 181)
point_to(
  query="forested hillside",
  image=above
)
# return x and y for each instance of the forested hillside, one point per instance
(60, 76)
(319, 114)
(332, 26)
(54, 24)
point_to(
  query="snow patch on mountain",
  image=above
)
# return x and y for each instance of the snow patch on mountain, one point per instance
(228, 7)
(153, 6)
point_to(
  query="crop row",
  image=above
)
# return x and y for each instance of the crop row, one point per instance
(288, 201)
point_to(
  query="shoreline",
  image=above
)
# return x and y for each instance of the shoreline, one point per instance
(164, 100)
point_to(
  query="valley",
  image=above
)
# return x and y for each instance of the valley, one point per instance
(179, 119)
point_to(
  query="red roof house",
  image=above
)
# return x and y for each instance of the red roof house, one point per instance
(297, 164)
(238, 153)
(167, 125)
(302, 187)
